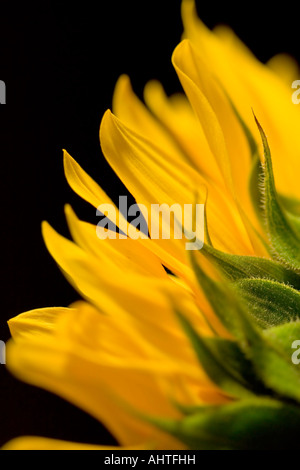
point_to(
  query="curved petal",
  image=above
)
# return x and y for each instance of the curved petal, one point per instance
(179, 120)
(142, 298)
(35, 322)
(83, 185)
(130, 110)
(224, 133)
(127, 254)
(88, 362)
(153, 177)
(43, 443)
(250, 84)
(85, 384)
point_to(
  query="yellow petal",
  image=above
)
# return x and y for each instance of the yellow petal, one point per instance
(271, 100)
(42, 443)
(132, 112)
(218, 61)
(221, 127)
(145, 299)
(93, 387)
(127, 148)
(81, 363)
(127, 254)
(153, 171)
(178, 119)
(154, 178)
(35, 322)
(93, 361)
(285, 67)
(144, 166)
(86, 187)
(250, 84)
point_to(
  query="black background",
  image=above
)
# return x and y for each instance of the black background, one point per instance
(60, 61)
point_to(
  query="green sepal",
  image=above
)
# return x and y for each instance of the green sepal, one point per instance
(254, 188)
(290, 206)
(236, 267)
(285, 335)
(271, 364)
(250, 424)
(284, 240)
(223, 361)
(224, 301)
(270, 302)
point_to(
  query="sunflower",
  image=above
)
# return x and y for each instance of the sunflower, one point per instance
(177, 349)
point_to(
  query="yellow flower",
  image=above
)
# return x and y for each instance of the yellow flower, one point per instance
(129, 353)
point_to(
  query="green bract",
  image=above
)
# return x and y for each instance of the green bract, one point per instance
(258, 301)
